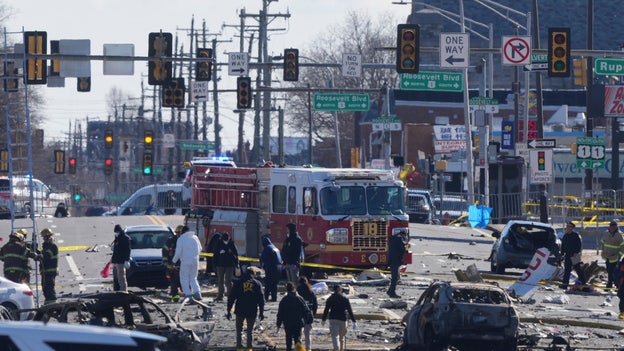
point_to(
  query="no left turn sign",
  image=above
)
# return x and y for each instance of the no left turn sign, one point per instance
(516, 50)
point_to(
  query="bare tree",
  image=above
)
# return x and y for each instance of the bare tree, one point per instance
(356, 34)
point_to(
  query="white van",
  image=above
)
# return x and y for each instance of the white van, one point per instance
(161, 199)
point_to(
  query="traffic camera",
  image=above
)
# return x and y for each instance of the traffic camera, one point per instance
(559, 52)
(203, 69)
(243, 92)
(291, 65)
(408, 48)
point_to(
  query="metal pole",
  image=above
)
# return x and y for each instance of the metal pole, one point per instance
(309, 126)
(469, 162)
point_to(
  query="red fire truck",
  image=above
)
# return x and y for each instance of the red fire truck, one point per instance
(346, 216)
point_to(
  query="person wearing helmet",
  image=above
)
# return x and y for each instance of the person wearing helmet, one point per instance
(15, 255)
(173, 269)
(49, 265)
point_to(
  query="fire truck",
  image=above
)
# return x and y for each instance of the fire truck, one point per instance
(346, 216)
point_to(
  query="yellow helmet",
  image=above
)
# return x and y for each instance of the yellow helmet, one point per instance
(46, 232)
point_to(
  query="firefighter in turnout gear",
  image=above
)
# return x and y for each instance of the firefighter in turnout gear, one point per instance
(49, 265)
(15, 255)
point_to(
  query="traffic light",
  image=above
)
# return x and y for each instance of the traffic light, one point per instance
(4, 160)
(580, 71)
(243, 92)
(147, 139)
(291, 65)
(35, 43)
(72, 165)
(203, 69)
(147, 164)
(160, 45)
(108, 139)
(83, 84)
(77, 197)
(55, 65)
(559, 43)
(408, 48)
(10, 74)
(541, 161)
(108, 166)
(173, 93)
(59, 161)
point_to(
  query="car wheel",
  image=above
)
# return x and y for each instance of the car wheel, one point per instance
(431, 341)
(7, 312)
(494, 266)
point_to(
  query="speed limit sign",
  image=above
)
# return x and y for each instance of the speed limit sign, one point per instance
(590, 152)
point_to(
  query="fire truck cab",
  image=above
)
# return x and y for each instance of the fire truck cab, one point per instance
(346, 216)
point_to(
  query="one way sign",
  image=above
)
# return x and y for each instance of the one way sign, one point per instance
(454, 50)
(542, 143)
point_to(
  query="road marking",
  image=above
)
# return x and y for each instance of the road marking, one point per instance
(73, 248)
(156, 220)
(74, 268)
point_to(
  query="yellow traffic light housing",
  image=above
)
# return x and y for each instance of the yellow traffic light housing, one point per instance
(580, 71)
(243, 92)
(35, 43)
(148, 139)
(203, 69)
(59, 161)
(160, 46)
(408, 48)
(291, 65)
(10, 72)
(4, 160)
(83, 84)
(559, 43)
(173, 93)
(108, 139)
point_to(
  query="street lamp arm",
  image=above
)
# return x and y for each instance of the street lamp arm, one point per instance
(501, 14)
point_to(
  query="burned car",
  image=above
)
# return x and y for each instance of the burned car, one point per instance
(124, 310)
(516, 244)
(470, 316)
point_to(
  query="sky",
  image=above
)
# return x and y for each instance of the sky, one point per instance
(131, 21)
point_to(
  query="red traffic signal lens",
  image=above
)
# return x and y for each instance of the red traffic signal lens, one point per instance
(408, 35)
(108, 162)
(72, 161)
(559, 38)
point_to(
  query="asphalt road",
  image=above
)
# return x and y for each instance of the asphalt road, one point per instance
(588, 320)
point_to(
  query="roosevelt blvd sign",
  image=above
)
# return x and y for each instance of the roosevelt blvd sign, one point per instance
(432, 80)
(341, 102)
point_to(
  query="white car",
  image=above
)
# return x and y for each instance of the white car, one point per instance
(45, 198)
(40, 336)
(15, 296)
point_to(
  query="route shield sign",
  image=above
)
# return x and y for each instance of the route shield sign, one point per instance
(386, 123)
(590, 152)
(432, 80)
(341, 102)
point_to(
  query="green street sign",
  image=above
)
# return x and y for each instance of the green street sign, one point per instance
(590, 152)
(612, 67)
(432, 80)
(538, 58)
(482, 100)
(341, 102)
(196, 145)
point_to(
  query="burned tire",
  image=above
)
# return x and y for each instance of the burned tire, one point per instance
(496, 268)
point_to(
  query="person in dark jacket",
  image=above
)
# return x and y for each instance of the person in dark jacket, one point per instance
(291, 312)
(571, 253)
(336, 307)
(210, 247)
(49, 265)
(247, 293)
(120, 258)
(173, 269)
(396, 251)
(292, 253)
(304, 289)
(270, 261)
(15, 255)
(226, 257)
